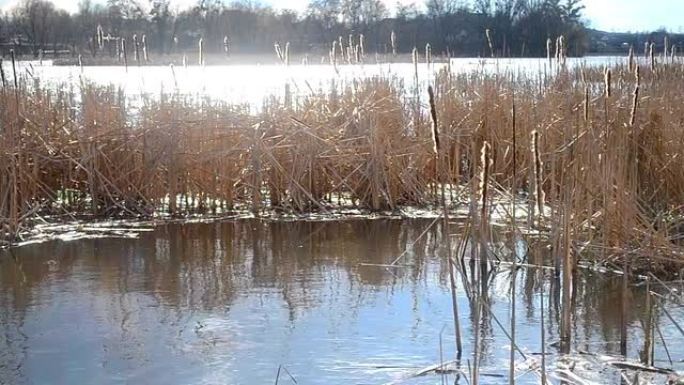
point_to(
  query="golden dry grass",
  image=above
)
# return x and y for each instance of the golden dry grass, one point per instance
(614, 161)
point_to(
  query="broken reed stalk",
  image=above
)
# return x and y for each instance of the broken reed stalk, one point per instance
(586, 103)
(447, 236)
(123, 52)
(543, 337)
(646, 354)
(362, 48)
(514, 268)
(538, 181)
(279, 52)
(475, 371)
(485, 164)
(2, 75)
(566, 289)
(624, 308)
(13, 226)
(428, 55)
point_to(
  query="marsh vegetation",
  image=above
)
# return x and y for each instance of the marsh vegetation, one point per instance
(567, 170)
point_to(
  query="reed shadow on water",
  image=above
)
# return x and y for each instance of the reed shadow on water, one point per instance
(233, 301)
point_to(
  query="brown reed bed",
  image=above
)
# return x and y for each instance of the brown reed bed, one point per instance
(605, 169)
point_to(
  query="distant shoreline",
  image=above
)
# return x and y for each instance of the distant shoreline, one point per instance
(239, 59)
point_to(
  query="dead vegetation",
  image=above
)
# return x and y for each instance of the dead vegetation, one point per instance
(608, 158)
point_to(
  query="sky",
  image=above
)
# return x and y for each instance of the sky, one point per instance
(607, 15)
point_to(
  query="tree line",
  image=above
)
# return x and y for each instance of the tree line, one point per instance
(516, 27)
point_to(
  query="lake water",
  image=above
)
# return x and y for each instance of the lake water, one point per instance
(232, 302)
(251, 84)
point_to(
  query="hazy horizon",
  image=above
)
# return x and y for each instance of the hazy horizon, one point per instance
(606, 15)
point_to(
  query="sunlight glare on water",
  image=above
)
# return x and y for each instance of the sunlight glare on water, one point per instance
(252, 84)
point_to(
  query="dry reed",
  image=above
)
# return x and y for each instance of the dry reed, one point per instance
(617, 165)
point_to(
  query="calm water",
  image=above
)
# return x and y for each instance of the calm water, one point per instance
(251, 84)
(230, 303)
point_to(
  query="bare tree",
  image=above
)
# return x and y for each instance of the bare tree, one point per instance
(35, 18)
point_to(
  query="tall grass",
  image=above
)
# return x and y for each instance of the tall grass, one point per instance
(606, 152)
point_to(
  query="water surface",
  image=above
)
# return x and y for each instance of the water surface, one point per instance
(253, 84)
(230, 303)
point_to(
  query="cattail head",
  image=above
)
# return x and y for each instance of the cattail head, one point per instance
(652, 56)
(201, 51)
(549, 44)
(144, 48)
(333, 52)
(631, 58)
(428, 54)
(393, 41)
(488, 34)
(100, 36)
(635, 105)
(608, 82)
(136, 46)
(362, 48)
(435, 127)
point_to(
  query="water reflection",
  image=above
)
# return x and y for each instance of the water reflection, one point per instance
(231, 302)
